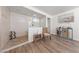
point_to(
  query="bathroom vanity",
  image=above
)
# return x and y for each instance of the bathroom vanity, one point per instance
(65, 32)
(33, 31)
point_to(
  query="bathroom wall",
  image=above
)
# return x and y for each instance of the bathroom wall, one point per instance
(4, 25)
(0, 27)
(74, 25)
(53, 25)
(19, 23)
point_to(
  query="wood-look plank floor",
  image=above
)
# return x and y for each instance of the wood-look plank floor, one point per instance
(15, 42)
(55, 45)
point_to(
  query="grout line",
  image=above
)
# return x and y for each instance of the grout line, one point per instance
(14, 47)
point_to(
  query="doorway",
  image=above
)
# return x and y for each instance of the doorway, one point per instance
(49, 24)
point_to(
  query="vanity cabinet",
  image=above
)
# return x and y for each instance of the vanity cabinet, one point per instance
(66, 33)
(33, 31)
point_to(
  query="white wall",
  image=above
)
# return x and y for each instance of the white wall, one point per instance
(0, 27)
(74, 25)
(4, 26)
(19, 23)
(53, 25)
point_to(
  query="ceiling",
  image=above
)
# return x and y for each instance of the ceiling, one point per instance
(53, 10)
(24, 11)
